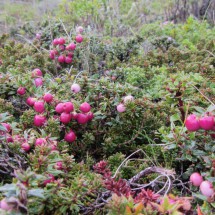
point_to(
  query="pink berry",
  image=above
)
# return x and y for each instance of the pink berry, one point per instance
(48, 97)
(40, 141)
(39, 120)
(192, 123)
(61, 41)
(61, 59)
(82, 118)
(121, 108)
(59, 165)
(74, 115)
(55, 42)
(79, 29)
(75, 88)
(30, 101)
(53, 146)
(21, 91)
(128, 99)
(79, 38)
(70, 54)
(65, 118)
(90, 116)
(196, 179)
(70, 137)
(25, 146)
(68, 60)
(85, 107)
(38, 36)
(59, 108)
(36, 73)
(38, 82)
(49, 180)
(206, 122)
(9, 139)
(7, 126)
(62, 47)
(68, 107)
(71, 46)
(4, 205)
(39, 106)
(207, 189)
(52, 54)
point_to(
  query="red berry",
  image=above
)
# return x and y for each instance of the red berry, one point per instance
(21, 91)
(70, 137)
(79, 38)
(70, 54)
(52, 54)
(74, 115)
(49, 180)
(38, 36)
(90, 116)
(7, 126)
(39, 106)
(62, 47)
(128, 99)
(68, 60)
(192, 123)
(65, 118)
(40, 141)
(30, 101)
(121, 108)
(75, 88)
(82, 118)
(61, 59)
(61, 41)
(39, 120)
(9, 139)
(71, 46)
(85, 107)
(38, 82)
(48, 97)
(68, 107)
(25, 146)
(196, 179)
(79, 29)
(59, 165)
(53, 146)
(206, 122)
(207, 189)
(55, 42)
(5, 206)
(36, 73)
(59, 108)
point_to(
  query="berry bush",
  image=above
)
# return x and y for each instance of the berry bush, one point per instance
(101, 125)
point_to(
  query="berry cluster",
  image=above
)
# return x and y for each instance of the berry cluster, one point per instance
(63, 52)
(193, 123)
(206, 187)
(122, 106)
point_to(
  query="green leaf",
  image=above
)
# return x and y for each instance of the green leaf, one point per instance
(211, 108)
(37, 193)
(199, 196)
(8, 187)
(198, 153)
(174, 118)
(199, 109)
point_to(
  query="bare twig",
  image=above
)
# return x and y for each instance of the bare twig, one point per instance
(203, 95)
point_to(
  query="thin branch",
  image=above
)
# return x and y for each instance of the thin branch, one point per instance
(203, 95)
